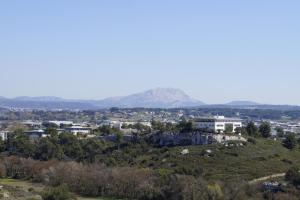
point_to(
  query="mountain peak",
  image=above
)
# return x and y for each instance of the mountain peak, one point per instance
(155, 98)
(167, 95)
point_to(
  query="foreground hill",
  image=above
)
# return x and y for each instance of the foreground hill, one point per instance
(141, 171)
(243, 163)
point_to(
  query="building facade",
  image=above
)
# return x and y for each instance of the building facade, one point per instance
(35, 134)
(218, 124)
(75, 130)
(3, 135)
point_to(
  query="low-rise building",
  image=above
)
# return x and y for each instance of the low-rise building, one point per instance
(35, 134)
(4, 135)
(218, 124)
(62, 123)
(32, 124)
(75, 130)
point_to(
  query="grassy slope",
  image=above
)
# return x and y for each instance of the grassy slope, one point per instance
(243, 163)
(24, 186)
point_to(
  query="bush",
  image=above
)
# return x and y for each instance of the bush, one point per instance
(265, 129)
(293, 176)
(2, 171)
(251, 140)
(57, 193)
(290, 141)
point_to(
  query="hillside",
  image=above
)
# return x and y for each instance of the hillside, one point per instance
(249, 162)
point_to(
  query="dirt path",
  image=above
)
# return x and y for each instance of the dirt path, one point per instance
(266, 178)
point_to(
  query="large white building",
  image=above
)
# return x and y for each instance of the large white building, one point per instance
(218, 124)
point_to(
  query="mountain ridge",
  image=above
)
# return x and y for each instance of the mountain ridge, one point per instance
(158, 97)
(154, 98)
(242, 103)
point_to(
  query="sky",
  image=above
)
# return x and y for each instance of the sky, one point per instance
(216, 51)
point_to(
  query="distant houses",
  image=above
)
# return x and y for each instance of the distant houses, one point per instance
(206, 131)
(119, 124)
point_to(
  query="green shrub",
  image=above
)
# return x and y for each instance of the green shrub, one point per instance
(290, 142)
(251, 140)
(57, 193)
(293, 176)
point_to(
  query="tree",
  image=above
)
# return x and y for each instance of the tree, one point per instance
(238, 130)
(158, 126)
(228, 128)
(46, 150)
(142, 128)
(265, 129)
(2, 145)
(119, 138)
(251, 129)
(290, 141)
(50, 125)
(91, 148)
(107, 130)
(185, 126)
(51, 131)
(71, 146)
(19, 144)
(293, 176)
(280, 132)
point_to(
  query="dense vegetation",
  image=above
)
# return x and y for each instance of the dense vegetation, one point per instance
(140, 170)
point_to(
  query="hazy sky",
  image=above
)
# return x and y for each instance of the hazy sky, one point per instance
(216, 51)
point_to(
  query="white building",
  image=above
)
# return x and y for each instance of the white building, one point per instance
(3, 135)
(35, 134)
(75, 130)
(218, 124)
(59, 123)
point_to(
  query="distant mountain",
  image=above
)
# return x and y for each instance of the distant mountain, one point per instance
(42, 98)
(242, 103)
(155, 98)
(44, 104)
